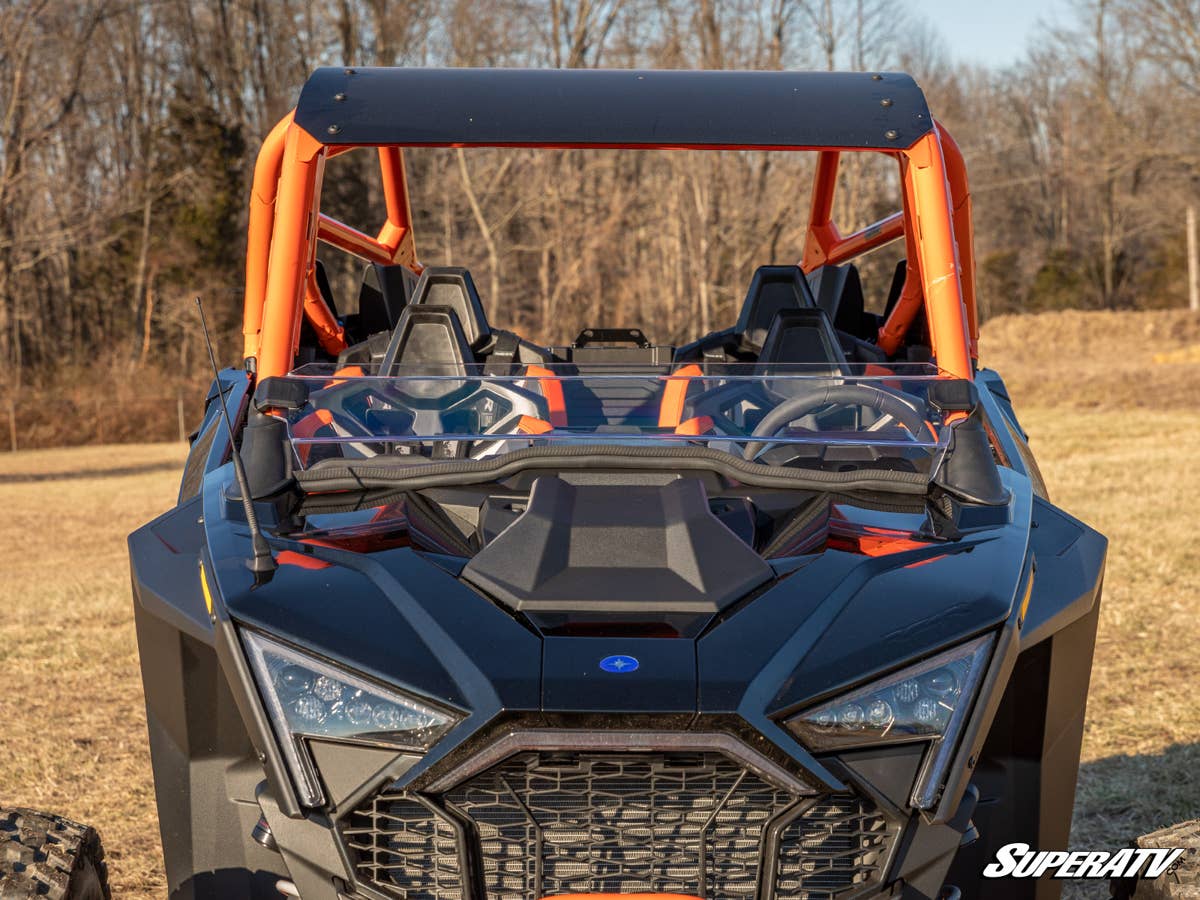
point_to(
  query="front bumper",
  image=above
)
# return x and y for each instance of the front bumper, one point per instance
(692, 822)
(560, 812)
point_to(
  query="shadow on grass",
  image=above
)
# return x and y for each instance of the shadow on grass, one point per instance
(1119, 798)
(76, 474)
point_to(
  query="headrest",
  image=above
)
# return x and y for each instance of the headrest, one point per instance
(452, 286)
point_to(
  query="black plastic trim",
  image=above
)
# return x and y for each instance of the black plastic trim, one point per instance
(245, 693)
(573, 740)
(338, 475)
(607, 107)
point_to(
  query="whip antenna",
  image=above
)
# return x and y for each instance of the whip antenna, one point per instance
(262, 561)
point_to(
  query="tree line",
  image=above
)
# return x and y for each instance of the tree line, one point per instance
(128, 132)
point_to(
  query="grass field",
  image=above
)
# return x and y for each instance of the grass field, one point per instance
(72, 737)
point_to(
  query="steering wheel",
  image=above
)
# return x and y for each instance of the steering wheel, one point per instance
(861, 395)
(344, 399)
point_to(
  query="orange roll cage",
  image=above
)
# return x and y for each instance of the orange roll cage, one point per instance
(286, 224)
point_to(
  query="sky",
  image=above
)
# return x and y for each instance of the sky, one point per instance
(993, 33)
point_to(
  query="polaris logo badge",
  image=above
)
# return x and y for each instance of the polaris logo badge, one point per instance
(619, 664)
(1020, 861)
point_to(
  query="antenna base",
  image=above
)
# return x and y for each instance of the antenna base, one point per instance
(260, 565)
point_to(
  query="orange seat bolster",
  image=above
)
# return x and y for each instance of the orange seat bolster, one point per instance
(670, 412)
(553, 392)
(532, 425)
(696, 425)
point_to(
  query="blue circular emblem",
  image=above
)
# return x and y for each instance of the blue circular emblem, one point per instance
(619, 664)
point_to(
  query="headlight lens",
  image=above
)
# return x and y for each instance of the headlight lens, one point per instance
(306, 697)
(929, 700)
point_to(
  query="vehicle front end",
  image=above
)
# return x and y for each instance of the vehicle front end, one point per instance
(805, 635)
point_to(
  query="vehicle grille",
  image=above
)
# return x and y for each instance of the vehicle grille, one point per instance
(542, 823)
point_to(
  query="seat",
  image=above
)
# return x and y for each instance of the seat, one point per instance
(428, 340)
(896, 288)
(803, 336)
(838, 291)
(916, 345)
(772, 289)
(384, 293)
(323, 288)
(453, 287)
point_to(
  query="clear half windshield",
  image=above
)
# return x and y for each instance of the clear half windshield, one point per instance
(840, 418)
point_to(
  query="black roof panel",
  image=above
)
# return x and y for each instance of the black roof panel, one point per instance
(606, 107)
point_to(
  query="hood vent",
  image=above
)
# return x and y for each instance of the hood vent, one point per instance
(617, 549)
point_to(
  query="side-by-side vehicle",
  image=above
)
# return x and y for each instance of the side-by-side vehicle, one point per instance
(784, 613)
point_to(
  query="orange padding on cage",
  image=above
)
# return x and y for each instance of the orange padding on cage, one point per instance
(670, 413)
(552, 390)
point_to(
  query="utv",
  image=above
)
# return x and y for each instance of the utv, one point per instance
(781, 614)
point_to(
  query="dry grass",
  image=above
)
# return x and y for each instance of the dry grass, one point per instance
(1112, 404)
(1097, 360)
(73, 737)
(73, 734)
(1132, 476)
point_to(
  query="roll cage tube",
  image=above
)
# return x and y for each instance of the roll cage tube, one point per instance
(940, 271)
(286, 192)
(286, 225)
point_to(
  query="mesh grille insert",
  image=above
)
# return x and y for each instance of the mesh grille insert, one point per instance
(404, 848)
(547, 823)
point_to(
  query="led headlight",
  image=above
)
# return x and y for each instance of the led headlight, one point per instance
(926, 701)
(305, 698)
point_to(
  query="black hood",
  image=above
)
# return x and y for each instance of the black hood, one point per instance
(713, 626)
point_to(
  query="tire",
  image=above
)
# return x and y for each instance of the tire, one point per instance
(48, 856)
(1183, 881)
